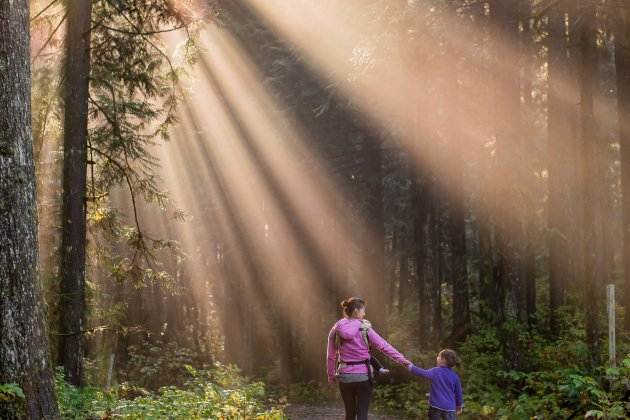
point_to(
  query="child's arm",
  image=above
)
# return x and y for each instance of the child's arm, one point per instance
(331, 356)
(459, 396)
(416, 371)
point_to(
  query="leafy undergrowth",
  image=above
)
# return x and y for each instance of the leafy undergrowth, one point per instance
(11, 401)
(511, 372)
(554, 394)
(517, 373)
(218, 393)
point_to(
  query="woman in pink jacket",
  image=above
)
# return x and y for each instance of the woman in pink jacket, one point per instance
(348, 357)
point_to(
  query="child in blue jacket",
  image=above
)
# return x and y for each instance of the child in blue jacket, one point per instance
(445, 397)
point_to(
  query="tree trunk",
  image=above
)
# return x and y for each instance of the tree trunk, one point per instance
(505, 24)
(528, 272)
(461, 309)
(575, 199)
(73, 242)
(489, 306)
(622, 63)
(24, 351)
(529, 159)
(403, 287)
(559, 131)
(437, 266)
(457, 219)
(157, 306)
(374, 252)
(593, 234)
(391, 273)
(422, 206)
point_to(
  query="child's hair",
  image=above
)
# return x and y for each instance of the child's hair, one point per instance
(351, 304)
(449, 356)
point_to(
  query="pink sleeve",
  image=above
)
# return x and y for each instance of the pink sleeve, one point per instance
(331, 355)
(387, 349)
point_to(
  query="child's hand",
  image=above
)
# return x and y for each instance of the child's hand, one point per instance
(459, 411)
(383, 371)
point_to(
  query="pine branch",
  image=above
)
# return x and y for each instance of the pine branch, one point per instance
(129, 184)
(49, 38)
(41, 12)
(147, 33)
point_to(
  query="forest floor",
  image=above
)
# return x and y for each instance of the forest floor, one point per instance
(320, 412)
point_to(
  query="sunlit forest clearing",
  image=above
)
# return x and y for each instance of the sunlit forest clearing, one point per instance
(189, 189)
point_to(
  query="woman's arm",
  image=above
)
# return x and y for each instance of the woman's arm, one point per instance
(331, 355)
(387, 349)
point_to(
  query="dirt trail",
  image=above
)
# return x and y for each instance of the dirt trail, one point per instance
(315, 412)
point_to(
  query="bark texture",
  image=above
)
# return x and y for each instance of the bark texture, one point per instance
(73, 242)
(24, 357)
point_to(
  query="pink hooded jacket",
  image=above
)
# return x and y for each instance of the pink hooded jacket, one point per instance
(353, 348)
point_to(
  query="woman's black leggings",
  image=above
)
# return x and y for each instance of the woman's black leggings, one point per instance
(356, 398)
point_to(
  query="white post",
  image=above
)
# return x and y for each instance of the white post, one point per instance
(610, 301)
(110, 371)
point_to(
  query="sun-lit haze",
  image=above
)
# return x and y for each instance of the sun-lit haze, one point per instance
(266, 212)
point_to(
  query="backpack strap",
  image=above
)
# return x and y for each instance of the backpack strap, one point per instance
(364, 329)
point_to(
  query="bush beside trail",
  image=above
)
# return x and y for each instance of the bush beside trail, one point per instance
(218, 393)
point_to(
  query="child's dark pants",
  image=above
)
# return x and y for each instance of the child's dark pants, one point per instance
(437, 414)
(356, 398)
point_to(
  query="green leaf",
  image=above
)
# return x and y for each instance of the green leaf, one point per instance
(13, 390)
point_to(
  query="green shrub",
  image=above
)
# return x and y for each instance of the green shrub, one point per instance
(552, 378)
(308, 392)
(408, 398)
(520, 372)
(218, 393)
(156, 364)
(11, 401)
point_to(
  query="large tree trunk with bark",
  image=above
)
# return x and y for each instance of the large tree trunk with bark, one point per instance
(24, 351)
(461, 309)
(559, 130)
(403, 285)
(73, 242)
(593, 232)
(423, 209)
(373, 252)
(457, 219)
(529, 159)
(437, 265)
(622, 63)
(505, 31)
